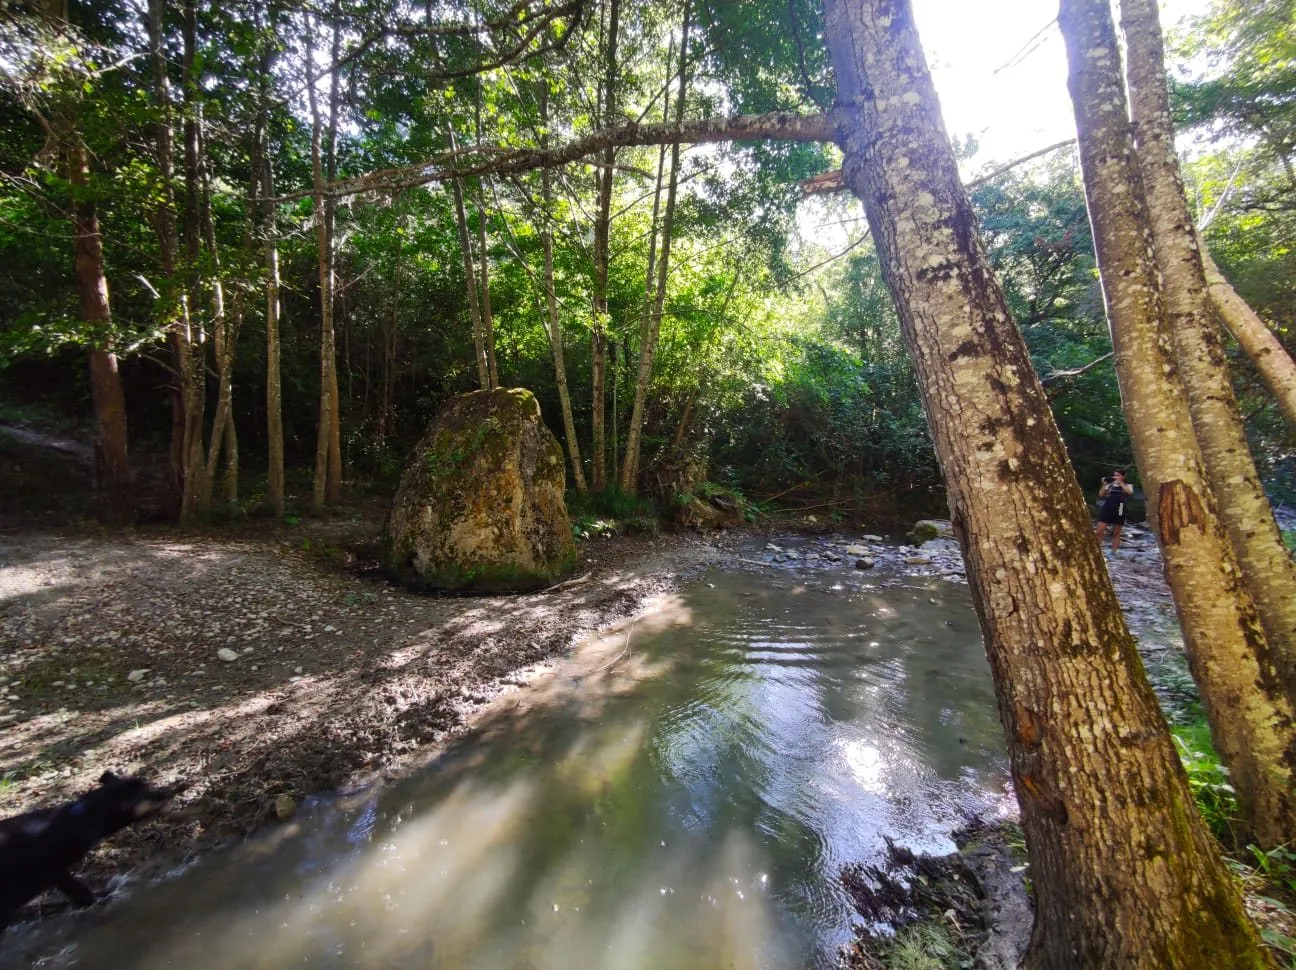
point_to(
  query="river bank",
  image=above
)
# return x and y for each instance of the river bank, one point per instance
(268, 664)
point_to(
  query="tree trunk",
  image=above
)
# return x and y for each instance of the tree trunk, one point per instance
(1251, 717)
(1267, 567)
(274, 393)
(488, 321)
(333, 483)
(602, 232)
(191, 340)
(114, 494)
(324, 489)
(1125, 873)
(165, 225)
(225, 328)
(551, 306)
(1258, 342)
(470, 281)
(651, 327)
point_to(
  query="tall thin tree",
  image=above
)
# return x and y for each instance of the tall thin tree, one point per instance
(650, 329)
(1267, 567)
(1125, 874)
(1252, 720)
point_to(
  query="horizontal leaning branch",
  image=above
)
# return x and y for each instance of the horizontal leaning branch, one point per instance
(774, 126)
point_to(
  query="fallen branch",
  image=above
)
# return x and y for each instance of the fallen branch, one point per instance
(775, 125)
(1058, 375)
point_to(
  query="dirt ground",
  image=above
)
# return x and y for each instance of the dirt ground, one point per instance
(112, 647)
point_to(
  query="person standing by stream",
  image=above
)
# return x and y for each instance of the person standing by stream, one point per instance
(1113, 494)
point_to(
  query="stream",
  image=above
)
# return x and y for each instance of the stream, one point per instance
(681, 793)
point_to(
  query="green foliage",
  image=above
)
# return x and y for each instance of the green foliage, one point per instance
(927, 945)
(1208, 780)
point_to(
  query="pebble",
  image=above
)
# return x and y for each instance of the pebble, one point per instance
(226, 654)
(135, 676)
(864, 563)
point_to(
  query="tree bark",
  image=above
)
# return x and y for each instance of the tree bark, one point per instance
(488, 321)
(1125, 874)
(650, 330)
(274, 392)
(165, 225)
(324, 490)
(114, 494)
(225, 330)
(1252, 720)
(1267, 567)
(1258, 342)
(554, 328)
(470, 281)
(771, 126)
(602, 233)
(190, 341)
(333, 483)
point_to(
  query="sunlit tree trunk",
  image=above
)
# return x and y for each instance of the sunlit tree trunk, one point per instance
(1250, 714)
(651, 328)
(602, 233)
(554, 328)
(1267, 567)
(1258, 342)
(1124, 872)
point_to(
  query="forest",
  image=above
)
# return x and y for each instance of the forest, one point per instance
(250, 250)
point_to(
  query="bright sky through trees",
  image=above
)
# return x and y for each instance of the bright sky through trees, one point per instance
(1000, 70)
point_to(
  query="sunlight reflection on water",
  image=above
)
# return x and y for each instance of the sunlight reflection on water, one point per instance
(680, 794)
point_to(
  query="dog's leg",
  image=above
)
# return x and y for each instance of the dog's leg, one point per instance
(75, 890)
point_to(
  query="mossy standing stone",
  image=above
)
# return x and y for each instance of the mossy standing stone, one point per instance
(480, 503)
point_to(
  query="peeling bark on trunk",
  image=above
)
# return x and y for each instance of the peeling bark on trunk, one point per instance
(602, 232)
(650, 330)
(1250, 714)
(1125, 874)
(1267, 567)
(1258, 342)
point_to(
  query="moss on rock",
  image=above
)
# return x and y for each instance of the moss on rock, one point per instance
(480, 503)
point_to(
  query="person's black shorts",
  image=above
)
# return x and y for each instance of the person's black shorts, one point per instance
(1114, 516)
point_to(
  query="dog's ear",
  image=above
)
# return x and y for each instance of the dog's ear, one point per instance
(107, 778)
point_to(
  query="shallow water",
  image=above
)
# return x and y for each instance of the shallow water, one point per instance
(679, 795)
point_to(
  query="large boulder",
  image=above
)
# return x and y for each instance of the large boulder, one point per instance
(480, 504)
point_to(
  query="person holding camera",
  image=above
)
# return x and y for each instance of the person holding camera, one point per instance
(1113, 494)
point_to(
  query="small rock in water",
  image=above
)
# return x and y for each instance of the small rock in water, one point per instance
(857, 550)
(135, 676)
(871, 538)
(285, 806)
(864, 563)
(226, 654)
(917, 561)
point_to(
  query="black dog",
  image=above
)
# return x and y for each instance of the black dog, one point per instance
(38, 849)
